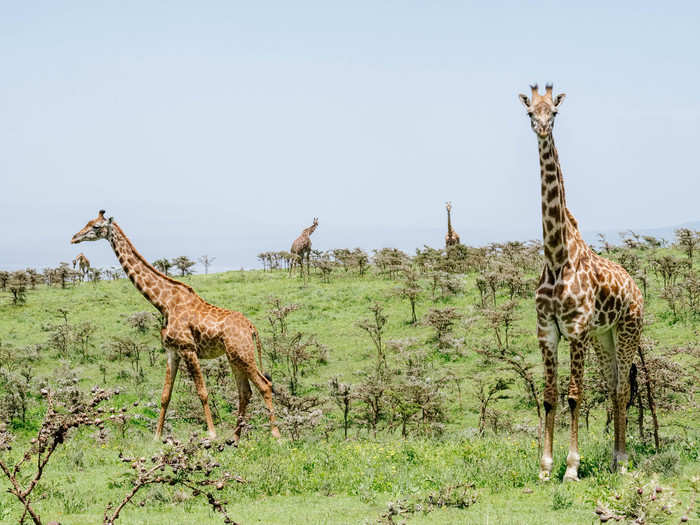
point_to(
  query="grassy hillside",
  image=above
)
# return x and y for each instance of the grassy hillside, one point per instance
(321, 477)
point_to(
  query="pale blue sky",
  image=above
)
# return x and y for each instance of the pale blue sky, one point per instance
(224, 128)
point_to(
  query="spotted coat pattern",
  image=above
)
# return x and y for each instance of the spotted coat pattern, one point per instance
(588, 300)
(193, 329)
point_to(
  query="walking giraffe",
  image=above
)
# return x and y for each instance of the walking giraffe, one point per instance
(194, 329)
(451, 239)
(588, 300)
(301, 248)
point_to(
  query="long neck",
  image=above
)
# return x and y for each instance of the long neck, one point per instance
(154, 286)
(308, 231)
(555, 223)
(449, 221)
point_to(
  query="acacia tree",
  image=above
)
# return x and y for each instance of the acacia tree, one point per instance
(442, 320)
(374, 326)
(688, 240)
(184, 264)
(4, 278)
(206, 261)
(163, 265)
(342, 395)
(486, 393)
(410, 289)
(18, 287)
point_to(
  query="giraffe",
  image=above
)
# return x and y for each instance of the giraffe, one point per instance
(451, 239)
(83, 264)
(588, 300)
(301, 247)
(193, 328)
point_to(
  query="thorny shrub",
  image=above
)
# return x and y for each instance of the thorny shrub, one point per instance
(187, 464)
(452, 496)
(66, 409)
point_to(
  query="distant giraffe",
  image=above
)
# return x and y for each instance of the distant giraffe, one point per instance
(194, 329)
(83, 264)
(451, 239)
(581, 296)
(301, 248)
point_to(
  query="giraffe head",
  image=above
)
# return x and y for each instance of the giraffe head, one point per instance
(542, 109)
(97, 228)
(449, 206)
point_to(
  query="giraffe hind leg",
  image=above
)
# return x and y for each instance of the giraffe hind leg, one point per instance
(627, 342)
(244, 394)
(264, 386)
(605, 347)
(573, 459)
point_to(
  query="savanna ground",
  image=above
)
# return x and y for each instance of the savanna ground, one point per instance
(450, 437)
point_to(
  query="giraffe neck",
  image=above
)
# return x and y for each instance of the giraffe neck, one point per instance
(561, 238)
(308, 231)
(150, 282)
(449, 222)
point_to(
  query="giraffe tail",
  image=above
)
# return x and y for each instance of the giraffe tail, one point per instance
(258, 343)
(634, 386)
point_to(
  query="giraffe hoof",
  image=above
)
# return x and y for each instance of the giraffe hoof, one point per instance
(573, 476)
(276, 433)
(544, 475)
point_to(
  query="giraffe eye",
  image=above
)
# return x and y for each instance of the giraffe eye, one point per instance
(529, 113)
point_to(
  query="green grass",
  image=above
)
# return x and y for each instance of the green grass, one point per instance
(322, 478)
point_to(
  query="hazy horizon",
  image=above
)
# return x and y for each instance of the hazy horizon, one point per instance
(223, 129)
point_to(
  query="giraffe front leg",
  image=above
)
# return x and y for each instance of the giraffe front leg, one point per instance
(573, 459)
(548, 337)
(195, 370)
(170, 374)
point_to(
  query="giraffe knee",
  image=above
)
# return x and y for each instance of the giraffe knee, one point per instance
(572, 403)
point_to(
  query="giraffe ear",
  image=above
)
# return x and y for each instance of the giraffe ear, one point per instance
(559, 99)
(109, 221)
(525, 100)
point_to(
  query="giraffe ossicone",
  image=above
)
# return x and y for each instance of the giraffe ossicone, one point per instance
(193, 329)
(588, 300)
